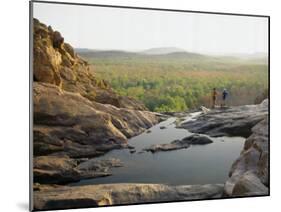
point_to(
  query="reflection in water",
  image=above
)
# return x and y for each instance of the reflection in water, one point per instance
(199, 164)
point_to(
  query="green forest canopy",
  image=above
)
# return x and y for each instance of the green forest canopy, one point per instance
(181, 81)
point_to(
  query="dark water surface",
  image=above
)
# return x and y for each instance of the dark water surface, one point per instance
(199, 164)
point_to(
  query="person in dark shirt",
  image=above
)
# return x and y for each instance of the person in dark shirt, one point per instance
(224, 96)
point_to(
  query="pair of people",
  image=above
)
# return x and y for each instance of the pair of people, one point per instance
(214, 97)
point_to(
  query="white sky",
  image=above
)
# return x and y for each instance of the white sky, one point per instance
(131, 29)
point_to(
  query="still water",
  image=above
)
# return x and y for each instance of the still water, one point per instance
(198, 164)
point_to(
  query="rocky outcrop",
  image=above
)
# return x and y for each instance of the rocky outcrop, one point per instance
(116, 194)
(75, 114)
(56, 62)
(180, 144)
(62, 169)
(68, 123)
(235, 121)
(249, 173)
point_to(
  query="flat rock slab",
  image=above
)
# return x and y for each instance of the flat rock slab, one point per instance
(94, 126)
(62, 169)
(165, 147)
(180, 144)
(116, 194)
(235, 121)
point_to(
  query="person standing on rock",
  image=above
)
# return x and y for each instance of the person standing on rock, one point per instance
(214, 97)
(224, 96)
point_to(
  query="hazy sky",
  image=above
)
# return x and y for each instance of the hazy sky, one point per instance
(127, 29)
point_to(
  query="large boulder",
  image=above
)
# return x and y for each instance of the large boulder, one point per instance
(249, 173)
(248, 185)
(57, 39)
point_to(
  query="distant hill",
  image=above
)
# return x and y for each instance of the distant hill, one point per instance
(96, 53)
(187, 55)
(163, 50)
(169, 53)
(157, 53)
(88, 53)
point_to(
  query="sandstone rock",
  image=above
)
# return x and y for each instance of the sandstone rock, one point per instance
(52, 169)
(249, 173)
(62, 169)
(73, 123)
(248, 185)
(46, 63)
(57, 39)
(56, 62)
(69, 49)
(236, 121)
(108, 97)
(166, 147)
(69, 123)
(180, 144)
(54, 107)
(60, 125)
(116, 194)
(99, 165)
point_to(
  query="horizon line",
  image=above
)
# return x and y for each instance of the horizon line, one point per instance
(167, 47)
